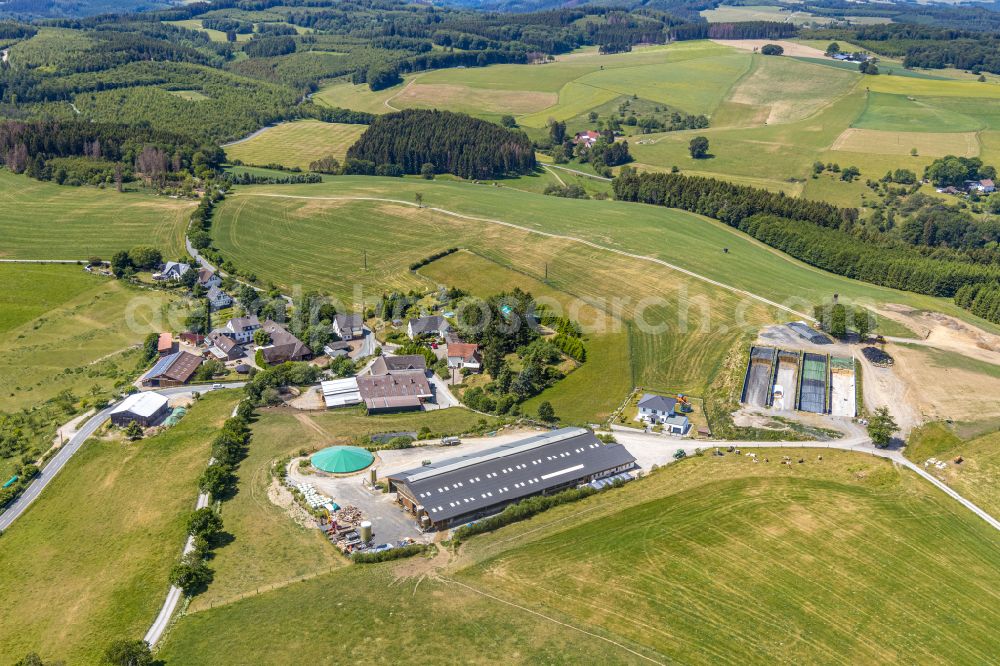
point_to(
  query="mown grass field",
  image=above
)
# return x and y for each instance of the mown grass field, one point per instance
(214, 35)
(296, 144)
(686, 240)
(88, 562)
(977, 477)
(47, 221)
(269, 550)
(732, 562)
(707, 561)
(62, 328)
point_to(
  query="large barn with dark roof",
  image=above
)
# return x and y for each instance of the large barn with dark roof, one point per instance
(458, 490)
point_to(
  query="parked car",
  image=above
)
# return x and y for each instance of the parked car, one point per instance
(381, 548)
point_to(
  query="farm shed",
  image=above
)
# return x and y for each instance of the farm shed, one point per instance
(341, 392)
(172, 370)
(461, 489)
(146, 409)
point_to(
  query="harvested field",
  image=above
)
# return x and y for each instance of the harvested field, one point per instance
(472, 100)
(791, 48)
(928, 144)
(790, 90)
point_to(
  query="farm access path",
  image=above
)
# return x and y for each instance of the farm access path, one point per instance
(857, 443)
(547, 234)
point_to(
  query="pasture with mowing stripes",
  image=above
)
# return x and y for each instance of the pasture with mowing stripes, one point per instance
(296, 144)
(47, 221)
(711, 560)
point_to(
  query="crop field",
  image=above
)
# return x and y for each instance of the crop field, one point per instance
(709, 560)
(928, 144)
(296, 144)
(62, 328)
(88, 562)
(47, 221)
(270, 550)
(790, 90)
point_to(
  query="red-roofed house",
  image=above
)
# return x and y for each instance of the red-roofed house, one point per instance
(587, 138)
(464, 355)
(165, 345)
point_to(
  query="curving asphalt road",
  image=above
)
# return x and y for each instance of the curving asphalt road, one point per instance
(16, 508)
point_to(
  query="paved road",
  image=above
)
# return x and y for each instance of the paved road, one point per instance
(16, 508)
(442, 394)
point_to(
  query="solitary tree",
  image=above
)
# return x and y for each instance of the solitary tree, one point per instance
(698, 147)
(127, 652)
(419, 198)
(427, 171)
(881, 426)
(546, 413)
(772, 49)
(133, 431)
(838, 320)
(261, 338)
(863, 322)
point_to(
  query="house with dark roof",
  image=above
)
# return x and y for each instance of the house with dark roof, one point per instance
(223, 347)
(218, 299)
(349, 326)
(241, 328)
(434, 325)
(468, 487)
(172, 270)
(385, 365)
(656, 408)
(401, 390)
(172, 370)
(284, 346)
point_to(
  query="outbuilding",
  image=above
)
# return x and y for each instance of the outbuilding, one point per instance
(146, 409)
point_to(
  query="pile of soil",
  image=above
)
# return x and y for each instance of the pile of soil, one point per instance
(877, 357)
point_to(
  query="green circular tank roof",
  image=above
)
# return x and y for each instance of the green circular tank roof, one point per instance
(342, 459)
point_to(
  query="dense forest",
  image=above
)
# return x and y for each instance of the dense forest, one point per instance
(451, 142)
(815, 232)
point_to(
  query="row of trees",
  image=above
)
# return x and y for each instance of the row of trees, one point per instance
(982, 300)
(453, 142)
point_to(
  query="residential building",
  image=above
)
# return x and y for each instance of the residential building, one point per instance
(434, 326)
(985, 186)
(676, 425)
(349, 326)
(386, 365)
(191, 338)
(341, 392)
(146, 409)
(588, 138)
(399, 391)
(218, 299)
(656, 408)
(465, 488)
(241, 328)
(172, 270)
(208, 278)
(224, 347)
(172, 370)
(464, 355)
(284, 346)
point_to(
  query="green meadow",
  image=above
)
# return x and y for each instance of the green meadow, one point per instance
(43, 220)
(710, 560)
(88, 562)
(62, 328)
